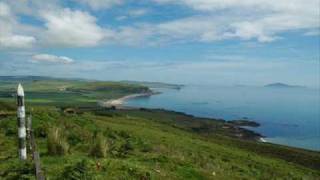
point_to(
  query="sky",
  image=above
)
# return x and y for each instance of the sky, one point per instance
(221, 42)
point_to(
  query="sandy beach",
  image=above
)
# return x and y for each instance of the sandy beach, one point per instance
(263, 140)
(120, 101)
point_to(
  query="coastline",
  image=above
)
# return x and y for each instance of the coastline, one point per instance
(235, 128)
(236, 125)
(118, 103)
(249, 133)
(263, 140)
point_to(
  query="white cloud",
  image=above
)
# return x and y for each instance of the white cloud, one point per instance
(133, 13)
(121, 18)
(275, 5)
(213, 20)
(72, 28)
(4, 10)
(101, 4)
(313, 32)
(31, 7)
(10, 28)
(267, 28)
(16, 41)
(248, 19)
(138, 12)
(47, 58)
(190, 29)
(130, 35)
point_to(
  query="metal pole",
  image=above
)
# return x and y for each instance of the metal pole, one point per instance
(21, 112)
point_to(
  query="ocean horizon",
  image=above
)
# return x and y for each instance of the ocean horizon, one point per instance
(287, 116)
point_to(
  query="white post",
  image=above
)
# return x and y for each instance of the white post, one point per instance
(21, 112)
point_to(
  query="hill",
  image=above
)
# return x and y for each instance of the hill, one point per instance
(85, 141)
(156, 84)
(65, 92)
(282, 85)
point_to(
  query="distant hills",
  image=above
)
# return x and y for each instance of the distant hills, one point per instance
(156, 84)
(17, 79)
(282, 85)
(23, 78)
(33, 78)
(144, 83)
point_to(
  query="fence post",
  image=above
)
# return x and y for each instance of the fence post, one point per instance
(35, 153)
(21, 113)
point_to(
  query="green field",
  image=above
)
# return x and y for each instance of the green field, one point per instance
(62, 92)
(96, 143)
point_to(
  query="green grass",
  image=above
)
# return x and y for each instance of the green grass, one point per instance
(68, 92)
(143, 148)
(96, 143)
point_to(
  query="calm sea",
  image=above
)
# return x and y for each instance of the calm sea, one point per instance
(288, 116)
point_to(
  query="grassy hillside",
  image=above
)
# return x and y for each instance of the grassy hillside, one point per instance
(132, 145)
(95, 143)
(62, 92)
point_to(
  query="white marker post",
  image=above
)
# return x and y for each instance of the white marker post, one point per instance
(21, 112)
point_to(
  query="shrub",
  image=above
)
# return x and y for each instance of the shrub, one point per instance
(57, 144)
(144, 146)
(122, 149)
(100, 146)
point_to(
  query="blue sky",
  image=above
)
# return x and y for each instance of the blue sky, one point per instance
(227, 42)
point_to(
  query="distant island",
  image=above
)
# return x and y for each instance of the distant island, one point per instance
(283, 85)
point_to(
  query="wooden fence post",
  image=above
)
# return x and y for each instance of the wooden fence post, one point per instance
(36, 157)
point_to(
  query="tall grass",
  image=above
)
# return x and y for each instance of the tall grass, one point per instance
(57, 143)
(100, 146)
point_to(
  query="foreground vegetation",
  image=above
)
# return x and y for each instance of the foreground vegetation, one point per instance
(88, 142)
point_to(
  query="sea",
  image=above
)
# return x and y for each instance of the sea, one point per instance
(287, 116)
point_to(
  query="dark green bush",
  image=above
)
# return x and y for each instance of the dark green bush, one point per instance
(121, 149)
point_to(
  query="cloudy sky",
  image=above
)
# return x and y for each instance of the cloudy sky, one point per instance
(226, 42)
